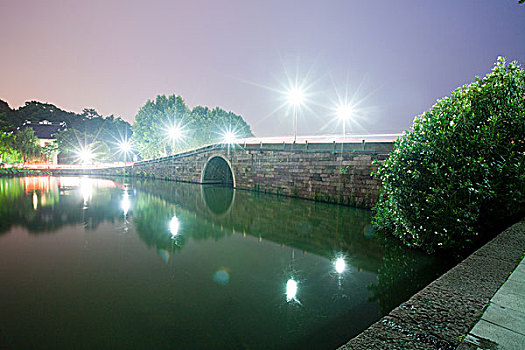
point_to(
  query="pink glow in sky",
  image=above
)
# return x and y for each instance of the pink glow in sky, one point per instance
(394, 58)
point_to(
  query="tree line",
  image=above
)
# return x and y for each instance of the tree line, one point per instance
(83, 129)
(194, 127)
(103, 136)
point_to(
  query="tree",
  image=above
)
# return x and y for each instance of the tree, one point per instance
(50, 150)
(461, 167)
(27, 144)
(153, 121)
(8, 119)
(110, 130)
(212, 124)
(200, 126)
(8, 153)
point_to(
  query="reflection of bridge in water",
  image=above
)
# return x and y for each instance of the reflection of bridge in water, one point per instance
(304, 225)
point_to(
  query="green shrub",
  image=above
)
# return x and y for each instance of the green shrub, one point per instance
(462, 166)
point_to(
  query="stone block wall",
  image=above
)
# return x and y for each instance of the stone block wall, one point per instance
(343, 178)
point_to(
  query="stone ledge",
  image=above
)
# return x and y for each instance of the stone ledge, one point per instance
(441, 314)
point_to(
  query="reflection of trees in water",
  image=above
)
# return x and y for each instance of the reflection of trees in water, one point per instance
(66, 208)
(403, 272)
(11, 207)
(151, 218)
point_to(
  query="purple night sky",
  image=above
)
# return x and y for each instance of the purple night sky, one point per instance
(393, 59)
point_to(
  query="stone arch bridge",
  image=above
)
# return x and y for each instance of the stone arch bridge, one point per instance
(331, 172)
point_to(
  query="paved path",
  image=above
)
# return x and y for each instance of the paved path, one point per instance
(502, 325)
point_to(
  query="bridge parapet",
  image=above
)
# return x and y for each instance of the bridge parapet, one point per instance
(337, 147)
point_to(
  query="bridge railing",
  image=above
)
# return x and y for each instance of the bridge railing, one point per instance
(362, 146)
(332, 147)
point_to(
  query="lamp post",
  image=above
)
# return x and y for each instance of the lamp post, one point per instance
(125, 147)
(295, 98)
(229, 137)
(174, 133)
(344, 113)
(85, 155)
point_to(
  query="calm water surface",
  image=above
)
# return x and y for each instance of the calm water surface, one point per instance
(95, 263)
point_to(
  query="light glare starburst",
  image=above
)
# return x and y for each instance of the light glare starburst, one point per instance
(296, 96)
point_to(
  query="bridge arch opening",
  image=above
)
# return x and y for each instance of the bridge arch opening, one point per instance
(218, 170)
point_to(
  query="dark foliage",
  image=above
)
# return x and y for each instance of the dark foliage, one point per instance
(107, 130)
(461, 167)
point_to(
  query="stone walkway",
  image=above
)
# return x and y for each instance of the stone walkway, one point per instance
(502, 325)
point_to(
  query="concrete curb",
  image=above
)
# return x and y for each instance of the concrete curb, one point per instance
(440, 315)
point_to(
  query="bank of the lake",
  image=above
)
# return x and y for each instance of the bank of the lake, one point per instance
(441, 315)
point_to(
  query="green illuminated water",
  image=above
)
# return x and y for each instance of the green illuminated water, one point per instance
(119, 264)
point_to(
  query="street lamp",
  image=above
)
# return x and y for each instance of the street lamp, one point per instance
(85, 155)
(296, 99)
(229, 137)
(344, 113)
(174, 133)
(125, 147)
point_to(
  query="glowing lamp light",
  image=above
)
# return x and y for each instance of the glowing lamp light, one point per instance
(295, 96)
(291, 289)
(175, 132)
(125, 146)
(85, 156)
(229, 137)
(340, 265)
(345, 112)
(174, 226)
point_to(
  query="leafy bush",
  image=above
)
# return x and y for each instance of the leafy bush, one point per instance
(461, 166)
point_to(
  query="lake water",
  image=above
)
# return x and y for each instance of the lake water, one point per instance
(91, 263)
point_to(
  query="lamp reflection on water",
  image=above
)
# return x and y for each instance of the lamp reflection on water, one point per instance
(35, 201)
(291, 290)
(340, 265)
(291, 284)
(125, 204)
(174, 226)
(86, 189)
